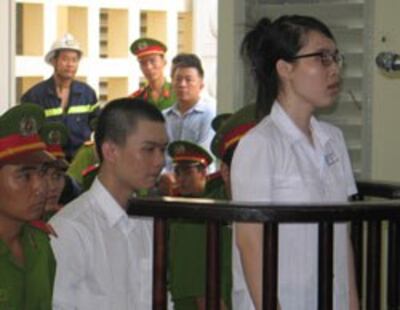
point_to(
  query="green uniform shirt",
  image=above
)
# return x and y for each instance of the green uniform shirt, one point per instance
(85, 157)
(187, 263)
(166, 99)
(29, 286)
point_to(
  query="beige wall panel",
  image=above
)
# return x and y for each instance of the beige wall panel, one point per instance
(185, 30)
(117, 87)
(78, 26)
(62, 21)
(156, 25)
(32, 34)
(28, 82)
(386, 96)
(117, 33)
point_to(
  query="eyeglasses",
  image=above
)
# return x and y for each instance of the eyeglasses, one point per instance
(327, 58)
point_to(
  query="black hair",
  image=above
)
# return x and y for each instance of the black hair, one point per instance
(185, 60)
(119, 118)
(267, 42)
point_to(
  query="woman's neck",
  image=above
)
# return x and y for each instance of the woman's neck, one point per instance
(299, 113)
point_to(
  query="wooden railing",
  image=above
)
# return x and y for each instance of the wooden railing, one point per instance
(360, 213)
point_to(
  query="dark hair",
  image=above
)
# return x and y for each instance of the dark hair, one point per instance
(267, 42)
(119, 118)
(185, 60)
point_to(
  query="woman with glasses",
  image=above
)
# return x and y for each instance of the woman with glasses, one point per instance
(291, 157)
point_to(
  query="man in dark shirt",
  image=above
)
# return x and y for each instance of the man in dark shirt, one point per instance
(63, 98)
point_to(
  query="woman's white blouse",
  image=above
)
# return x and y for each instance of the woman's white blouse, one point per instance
(276, 163)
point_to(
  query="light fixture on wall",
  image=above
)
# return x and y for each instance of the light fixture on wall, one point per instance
(388, 61)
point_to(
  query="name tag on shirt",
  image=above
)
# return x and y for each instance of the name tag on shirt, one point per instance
(331, 159)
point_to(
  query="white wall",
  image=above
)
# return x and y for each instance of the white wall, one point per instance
(205, 15)
(231, 20)
(7, 88)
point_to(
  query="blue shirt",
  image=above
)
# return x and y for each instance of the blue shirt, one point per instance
(81, 109)
(193, 126)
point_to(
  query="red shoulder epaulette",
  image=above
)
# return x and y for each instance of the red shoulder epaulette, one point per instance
(89, 169)
(214, 175)
(43, 226)
(137, 93)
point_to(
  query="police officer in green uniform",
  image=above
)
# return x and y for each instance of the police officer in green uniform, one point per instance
(85, 159)
(187, 243)
(150, 55)
(227, 136)
(229, 130)
(55, 135)
(27, 264)
(83, 167)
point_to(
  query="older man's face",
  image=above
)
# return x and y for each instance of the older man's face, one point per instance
(23, 191)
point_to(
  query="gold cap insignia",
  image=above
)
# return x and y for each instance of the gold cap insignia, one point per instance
(28, 126)
(142, 45)
(180, 149)
(54, 137)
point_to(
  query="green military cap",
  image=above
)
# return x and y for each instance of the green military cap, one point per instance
(233, 129)
(217, 122)
(20, 142)
(187, 152)
(147, 46)
(55, 135)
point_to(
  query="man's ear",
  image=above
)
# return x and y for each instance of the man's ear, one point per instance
(202, 84)
(110, 151)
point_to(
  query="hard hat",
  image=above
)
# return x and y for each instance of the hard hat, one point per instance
(67, 42)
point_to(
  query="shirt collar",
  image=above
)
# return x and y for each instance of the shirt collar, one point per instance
(200, 107)
(286, 124)
(76, 88)
(114, 214)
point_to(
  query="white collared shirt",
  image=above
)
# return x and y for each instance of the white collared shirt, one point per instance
(275, 162)
(104, 258)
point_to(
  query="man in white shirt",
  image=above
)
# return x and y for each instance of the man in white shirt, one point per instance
(104, 258)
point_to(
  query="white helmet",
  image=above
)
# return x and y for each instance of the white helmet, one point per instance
(67, 42)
